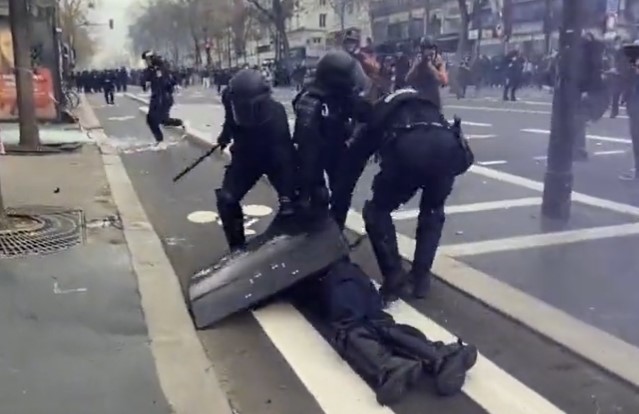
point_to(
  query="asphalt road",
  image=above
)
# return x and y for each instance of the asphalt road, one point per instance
(273, 360)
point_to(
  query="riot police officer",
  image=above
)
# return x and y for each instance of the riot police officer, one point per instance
(108, 86)
(258, 127)
(161, 83)
(325, 110)
(418, 150)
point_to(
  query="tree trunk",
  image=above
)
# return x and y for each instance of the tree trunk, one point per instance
(426, 17)
(4, 220)
(462, 45)
(280, 26)
(20, 29)
(196, 51)
(548, 18)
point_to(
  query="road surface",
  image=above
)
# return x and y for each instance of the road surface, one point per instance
(569, 291)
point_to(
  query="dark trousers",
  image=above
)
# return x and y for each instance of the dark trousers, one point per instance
(155, 118)
(108, 95)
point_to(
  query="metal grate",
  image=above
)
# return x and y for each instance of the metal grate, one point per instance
(40, 231)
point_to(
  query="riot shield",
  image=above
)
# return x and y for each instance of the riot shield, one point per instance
(267, 266)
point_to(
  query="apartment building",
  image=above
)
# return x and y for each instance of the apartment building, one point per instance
(313, 28)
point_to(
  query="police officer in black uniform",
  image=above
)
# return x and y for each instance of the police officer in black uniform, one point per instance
(325, 110)
(157, 75)
(418, 150)
(108, 86)
(258, 127)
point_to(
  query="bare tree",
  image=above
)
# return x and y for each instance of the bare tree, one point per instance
(342, 8)
(277, 11)
(73, 21)
(465, 19)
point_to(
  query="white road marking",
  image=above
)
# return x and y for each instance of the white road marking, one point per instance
(470, 123)
(538, 186)
(538, 240)
(479, 136)
(488, 385)
(620, 357)
(202, 217)
(612, 152)
(475, 207)
(512, 110)
(257, 210)
(541, 158)
(497, 109)
(589, 136)
(121, 118)
(495, 162)
(58, 291)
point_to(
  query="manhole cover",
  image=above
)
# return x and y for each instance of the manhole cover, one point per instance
(41, 230)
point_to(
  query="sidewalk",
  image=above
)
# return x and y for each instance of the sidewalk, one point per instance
(80, 329)
(73, 333)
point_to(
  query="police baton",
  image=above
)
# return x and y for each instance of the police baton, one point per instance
(196, 162)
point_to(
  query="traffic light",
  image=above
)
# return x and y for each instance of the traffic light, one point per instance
(111, 24)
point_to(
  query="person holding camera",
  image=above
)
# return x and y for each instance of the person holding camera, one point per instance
(428, 72)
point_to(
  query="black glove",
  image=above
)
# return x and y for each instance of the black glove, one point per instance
(223, 141)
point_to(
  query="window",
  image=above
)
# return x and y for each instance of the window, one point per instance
(322, 20)
(322, 2)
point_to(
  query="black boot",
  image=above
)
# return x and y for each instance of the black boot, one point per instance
(390, 376)
(458, 359)
(447, 362)
(383, 239)
(232, 220)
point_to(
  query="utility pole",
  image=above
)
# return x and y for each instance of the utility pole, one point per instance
(21, 32)
(558, 180)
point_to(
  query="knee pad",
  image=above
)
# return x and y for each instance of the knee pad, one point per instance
(227, 204)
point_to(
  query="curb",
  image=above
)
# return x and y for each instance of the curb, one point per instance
(185, 373)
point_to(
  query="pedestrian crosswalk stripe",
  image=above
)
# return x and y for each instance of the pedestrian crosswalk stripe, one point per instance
(487, 384)
(589, 136)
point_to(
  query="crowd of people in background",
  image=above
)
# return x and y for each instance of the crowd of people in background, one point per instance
(509, 71)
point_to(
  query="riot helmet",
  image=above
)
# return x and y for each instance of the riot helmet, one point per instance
(337, 71)
(249, 93)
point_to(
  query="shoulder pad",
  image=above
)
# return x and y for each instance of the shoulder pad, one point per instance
(307, 103)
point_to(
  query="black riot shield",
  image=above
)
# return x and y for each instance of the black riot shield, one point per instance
(267, 266)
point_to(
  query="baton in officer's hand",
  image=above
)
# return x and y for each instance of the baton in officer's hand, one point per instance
(196, 162)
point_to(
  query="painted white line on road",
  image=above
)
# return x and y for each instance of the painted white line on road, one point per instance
(470, 123)
(589, 136)
(612, 152)
(488, 385)
(478, 136)
(202, 217)
(538, 186)
(322, 371)
(619, 357)
(541, 158)
(474, 207)
(539, 240)
(495, 162)
(121, 118)
(497, 109)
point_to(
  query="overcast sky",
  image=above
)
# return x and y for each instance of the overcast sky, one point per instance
(112, 43)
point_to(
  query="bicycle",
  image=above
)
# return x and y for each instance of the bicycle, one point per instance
(71, 98)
